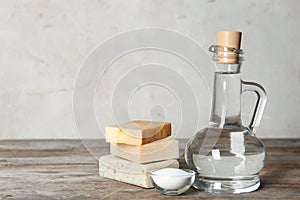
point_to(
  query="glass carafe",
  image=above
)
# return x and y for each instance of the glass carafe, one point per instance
(226, 155)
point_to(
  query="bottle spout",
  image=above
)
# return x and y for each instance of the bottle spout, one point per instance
(226, 55)
(227, 50)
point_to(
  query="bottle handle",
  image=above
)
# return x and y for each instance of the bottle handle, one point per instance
(260, 103)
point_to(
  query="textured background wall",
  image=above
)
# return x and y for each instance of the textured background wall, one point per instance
(44, 42)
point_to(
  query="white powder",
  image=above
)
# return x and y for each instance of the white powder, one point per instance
(171, 178)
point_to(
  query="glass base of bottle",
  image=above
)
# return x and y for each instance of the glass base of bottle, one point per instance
(219, 185)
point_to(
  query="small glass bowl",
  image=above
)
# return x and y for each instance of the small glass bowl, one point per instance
(173, 183)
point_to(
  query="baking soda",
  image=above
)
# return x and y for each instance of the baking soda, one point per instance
(171, 178)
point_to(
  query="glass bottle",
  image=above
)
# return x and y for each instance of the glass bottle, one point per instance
(226, 155)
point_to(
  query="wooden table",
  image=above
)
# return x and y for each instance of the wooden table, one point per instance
(64, 169)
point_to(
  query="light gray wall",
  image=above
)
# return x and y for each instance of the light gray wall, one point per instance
(43, 44)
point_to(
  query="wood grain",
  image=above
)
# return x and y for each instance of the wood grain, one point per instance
(64, 169)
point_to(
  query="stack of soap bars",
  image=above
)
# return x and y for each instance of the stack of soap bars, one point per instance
(137, 148)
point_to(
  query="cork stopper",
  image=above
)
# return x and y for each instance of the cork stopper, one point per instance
(230, 39)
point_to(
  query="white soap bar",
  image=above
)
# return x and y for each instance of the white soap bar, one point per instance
(164, 149)
(126, 171)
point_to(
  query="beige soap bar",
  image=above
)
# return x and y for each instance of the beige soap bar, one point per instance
(123, 170)
(137, 132)
(163, 149)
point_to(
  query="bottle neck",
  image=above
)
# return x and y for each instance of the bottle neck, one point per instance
(226, 107)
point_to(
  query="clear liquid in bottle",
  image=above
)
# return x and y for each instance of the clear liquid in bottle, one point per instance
(226, 155)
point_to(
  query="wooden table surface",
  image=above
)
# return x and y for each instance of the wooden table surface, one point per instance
(64, 169)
